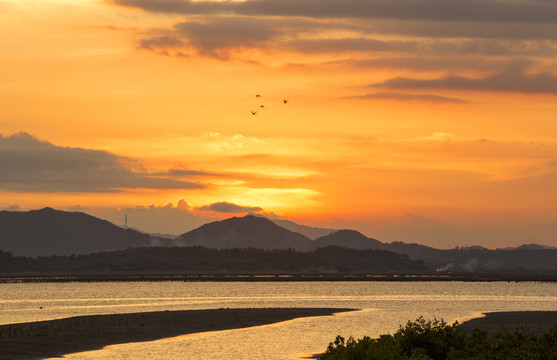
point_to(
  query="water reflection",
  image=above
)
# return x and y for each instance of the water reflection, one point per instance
(385, 306)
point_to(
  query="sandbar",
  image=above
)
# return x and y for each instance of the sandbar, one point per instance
(54, 338)
(531, 322)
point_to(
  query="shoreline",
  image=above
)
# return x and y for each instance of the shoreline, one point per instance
(54, 338)
(531, 322)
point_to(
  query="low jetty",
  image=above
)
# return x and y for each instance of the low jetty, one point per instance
(127, 277)
(54, 338)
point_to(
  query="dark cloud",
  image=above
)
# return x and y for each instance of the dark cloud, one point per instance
(489, 47)
(352, 45)
(514, 78)
(418, 35)
(518, 11)
(436, 99)
(463, 29)
(161, 42)
(425, 63)
(177, 173)
(164, 45)
(218, 36)
(431, 29)
(232, 26)
(226, 207)
(113, 28)
(31, 165)
(427, 47)
(181, 172)
(215, 38)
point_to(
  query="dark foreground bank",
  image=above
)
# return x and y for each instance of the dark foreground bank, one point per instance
(52, 338)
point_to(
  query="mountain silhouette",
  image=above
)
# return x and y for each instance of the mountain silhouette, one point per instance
(262, 233)
(49, 232)
(258, 232)
(350, 239)
(534, 247)
(244, 232)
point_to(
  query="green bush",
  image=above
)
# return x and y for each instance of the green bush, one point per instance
(436, 340)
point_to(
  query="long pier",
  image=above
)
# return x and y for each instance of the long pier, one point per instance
(54, 278)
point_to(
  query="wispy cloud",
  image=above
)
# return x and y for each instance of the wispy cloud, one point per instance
(422, 64)
(216, 37)
(463, 29)
(162, 44)
(436, 99)
(220, 36)
(184, 172)
(514, 78)
(226, 207)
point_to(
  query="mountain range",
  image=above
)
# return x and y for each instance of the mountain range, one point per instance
(48, 232)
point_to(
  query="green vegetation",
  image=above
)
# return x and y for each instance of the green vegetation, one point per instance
(425, 340)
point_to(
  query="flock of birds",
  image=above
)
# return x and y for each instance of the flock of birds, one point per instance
(261, 106)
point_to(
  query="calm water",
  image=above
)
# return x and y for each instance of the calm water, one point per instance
(384, 306)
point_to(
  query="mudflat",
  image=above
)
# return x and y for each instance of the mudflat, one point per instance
(42, 339)
(532, 322)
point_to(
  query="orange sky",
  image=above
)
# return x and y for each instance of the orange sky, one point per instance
(419, 121)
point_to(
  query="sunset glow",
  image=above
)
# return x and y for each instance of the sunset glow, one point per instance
(417, 121)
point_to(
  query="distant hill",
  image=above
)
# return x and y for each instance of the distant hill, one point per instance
(534, 247)
(352, 239)
(485, 261)
(245, 232)
(349, 239)
(474, 247)
(530, 258)
(48, 232)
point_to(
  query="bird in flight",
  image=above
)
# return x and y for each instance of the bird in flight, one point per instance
(284, 101)
(253, 112)
(261, 106)
(257, 96)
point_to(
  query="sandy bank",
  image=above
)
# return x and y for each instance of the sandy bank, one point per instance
(63, 336)
(533, 322)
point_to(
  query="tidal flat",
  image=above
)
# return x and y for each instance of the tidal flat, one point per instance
(52, 338)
